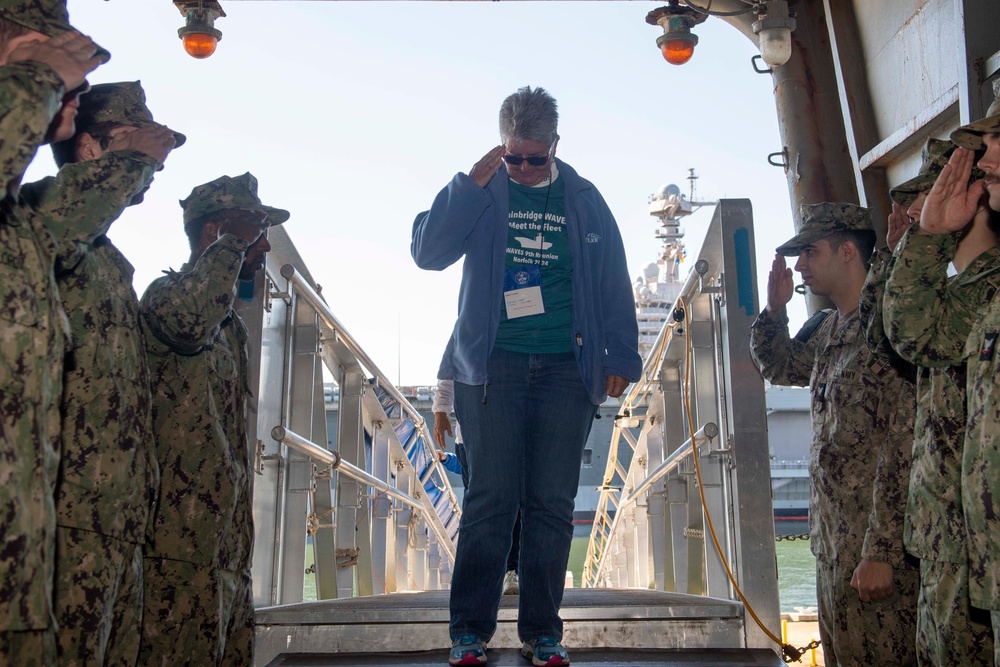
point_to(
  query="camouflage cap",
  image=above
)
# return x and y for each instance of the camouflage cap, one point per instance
(822, 220)
(971, 136)
(118, 103)
(48, 17)
(228, 193)
(935, 156)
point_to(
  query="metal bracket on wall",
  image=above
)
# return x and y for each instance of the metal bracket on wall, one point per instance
(714, 288)
(260, 456)
(348, 497)
(757, 68)
(300, 476)
(271, 293)
(307, 339)
(783, 154)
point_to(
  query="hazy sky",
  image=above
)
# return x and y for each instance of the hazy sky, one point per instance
(353, 115)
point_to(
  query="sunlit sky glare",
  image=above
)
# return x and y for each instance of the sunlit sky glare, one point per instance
(353, 115)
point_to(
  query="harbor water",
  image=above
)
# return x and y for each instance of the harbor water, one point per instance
(796, 567)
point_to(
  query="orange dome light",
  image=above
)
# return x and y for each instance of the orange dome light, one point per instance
(678, 51)
(199, 35)
(677, 41)
(199, 45)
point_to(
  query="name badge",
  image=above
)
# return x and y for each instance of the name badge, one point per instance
(522, 291)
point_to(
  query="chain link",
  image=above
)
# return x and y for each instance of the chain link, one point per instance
(793, 654)
(791, 538)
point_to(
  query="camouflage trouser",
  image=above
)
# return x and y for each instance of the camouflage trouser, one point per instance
(862, 634)
(98, 598)
(196, 616)
(27, 648)
(950, 632)
(995, 616)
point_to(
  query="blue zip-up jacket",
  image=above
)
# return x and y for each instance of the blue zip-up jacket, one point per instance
(470, 221)
(451, 463)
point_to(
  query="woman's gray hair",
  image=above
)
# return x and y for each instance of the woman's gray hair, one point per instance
(529, 115)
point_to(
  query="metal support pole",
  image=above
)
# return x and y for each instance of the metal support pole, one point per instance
(352, 524)
(810, 120)
(268, 332)
(381, 516)
(753, 511)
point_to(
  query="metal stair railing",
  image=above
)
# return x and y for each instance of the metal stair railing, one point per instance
(377, 511)
(650, 529)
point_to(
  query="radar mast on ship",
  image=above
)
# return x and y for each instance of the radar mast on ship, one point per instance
(657, 288)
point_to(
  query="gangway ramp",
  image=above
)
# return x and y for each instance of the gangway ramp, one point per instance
(581, 658)
(602, 627)
(381, 520)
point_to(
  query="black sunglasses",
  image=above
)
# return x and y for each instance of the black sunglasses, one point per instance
(516, 160)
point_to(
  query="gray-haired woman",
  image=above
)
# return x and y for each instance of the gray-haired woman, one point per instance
(546, 331)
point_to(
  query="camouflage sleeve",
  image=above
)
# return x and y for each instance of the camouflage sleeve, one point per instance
(894, 416)
(781, 359)
(182, 310)
(870, 308)
(926, 321)
(30, 95)
(80, 203)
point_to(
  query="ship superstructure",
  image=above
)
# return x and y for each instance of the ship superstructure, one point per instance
(788, 412)
(660, 283)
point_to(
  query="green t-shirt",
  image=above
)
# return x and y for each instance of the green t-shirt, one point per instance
(538, 245)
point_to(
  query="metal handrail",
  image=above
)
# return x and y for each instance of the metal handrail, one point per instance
(307, 447)
(705, 434)
(305, 290)
(636, 396)
(332, 458)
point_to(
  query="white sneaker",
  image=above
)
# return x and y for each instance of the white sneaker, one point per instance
(510, 586)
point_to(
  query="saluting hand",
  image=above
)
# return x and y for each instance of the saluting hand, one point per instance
(952, 202)
(780, 286)
(70, 54)
(154, 141)
(483, 170)
(899, 222)
(244, 226)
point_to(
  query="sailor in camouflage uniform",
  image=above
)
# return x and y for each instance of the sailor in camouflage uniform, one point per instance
(43, 65)
(107, 472)
(950, 632)
(907, 198)
(198, 598)
(961, 328)
(862, 436)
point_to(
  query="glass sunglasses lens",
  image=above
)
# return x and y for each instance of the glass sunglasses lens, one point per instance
(516, 160)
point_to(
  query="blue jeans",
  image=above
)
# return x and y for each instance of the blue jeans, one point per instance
(515, 547)
(463, 461)
(524, 436)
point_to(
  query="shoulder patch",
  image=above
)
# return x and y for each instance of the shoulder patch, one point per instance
(988, 347)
